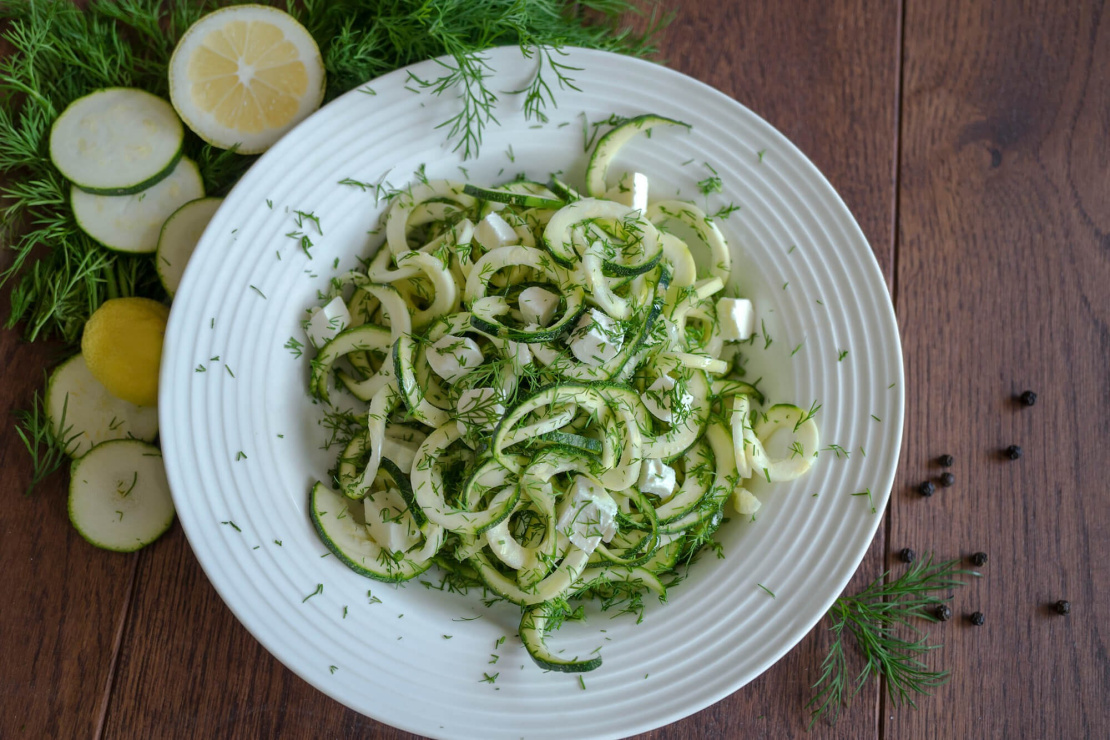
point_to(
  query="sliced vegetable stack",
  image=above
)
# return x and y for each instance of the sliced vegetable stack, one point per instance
(241, 77)
(555, 409)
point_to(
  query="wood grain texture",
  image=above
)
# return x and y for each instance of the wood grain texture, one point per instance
(1003, 268)
(63, 599)
(189, 668)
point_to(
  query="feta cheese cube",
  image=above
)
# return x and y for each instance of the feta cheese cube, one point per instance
(519, 353)
(479, 410)
(453, 357)
(658, 478)
(493, 232)
(324, 323)
(590, 518)
(737, 319)
(537, 305)
(596, 339)
(400, 444)
(632, 191)
(660, 399)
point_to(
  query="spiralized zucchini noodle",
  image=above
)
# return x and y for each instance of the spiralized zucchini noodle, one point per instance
(556, 406)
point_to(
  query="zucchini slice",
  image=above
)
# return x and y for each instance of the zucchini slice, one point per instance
(119, 498)
(178, 238)
(526, 200)
(350, 541)
(533, 631)
(609, 144)
(132, 223)
(116, 141)
(84, 413)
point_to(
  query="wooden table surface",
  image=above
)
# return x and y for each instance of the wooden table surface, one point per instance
(971, 139)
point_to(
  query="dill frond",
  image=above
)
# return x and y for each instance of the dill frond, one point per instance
(873, 618)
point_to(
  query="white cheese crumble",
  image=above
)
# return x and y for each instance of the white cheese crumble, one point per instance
(658, 478)
(537, 306)
(591, 516)
(493, 232)
(660, 399)
(736, 317)
(596, 339)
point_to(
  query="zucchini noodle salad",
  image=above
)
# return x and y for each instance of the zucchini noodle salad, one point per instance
(555, 403)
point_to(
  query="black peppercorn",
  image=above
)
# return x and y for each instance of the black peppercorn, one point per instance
(1013, 452)
(907, 555)
(1028, 398)
(927, 488)
(979, 559)
(943, 612)
(946, 461)
(1062, 607)
(978, 619)
(947, 480)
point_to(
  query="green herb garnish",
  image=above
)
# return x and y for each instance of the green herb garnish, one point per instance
(59, 52)
(873, 618)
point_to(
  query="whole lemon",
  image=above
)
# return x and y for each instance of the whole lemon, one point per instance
(122, 345)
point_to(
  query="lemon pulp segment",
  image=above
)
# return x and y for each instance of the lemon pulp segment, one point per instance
(248, 75)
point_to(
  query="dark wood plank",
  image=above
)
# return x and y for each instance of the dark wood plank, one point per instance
(825, 75)
(189, 668)
(1002, 286)
(63, 599)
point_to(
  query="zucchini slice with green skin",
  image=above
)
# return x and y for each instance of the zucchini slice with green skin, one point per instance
(401, 482)
(133, 223)
(533, 633)
(420, 408)
(178, 238)
(525, 200)
(486, 311)
(587, 445)
(116, 141)
(799, 423)
(564, 191)
(609, 144)
(84, 414)
(350, 541)
(119, 498)
(729, 387)
(356, 339)
(428, 489)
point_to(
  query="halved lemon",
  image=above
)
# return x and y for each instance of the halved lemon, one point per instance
(245, 75)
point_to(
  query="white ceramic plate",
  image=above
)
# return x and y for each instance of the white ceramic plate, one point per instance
(241, 438)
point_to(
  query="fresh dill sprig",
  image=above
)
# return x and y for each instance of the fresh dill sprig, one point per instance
(59, 52)
(360, 40)
(873, 618)
(44, 443)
